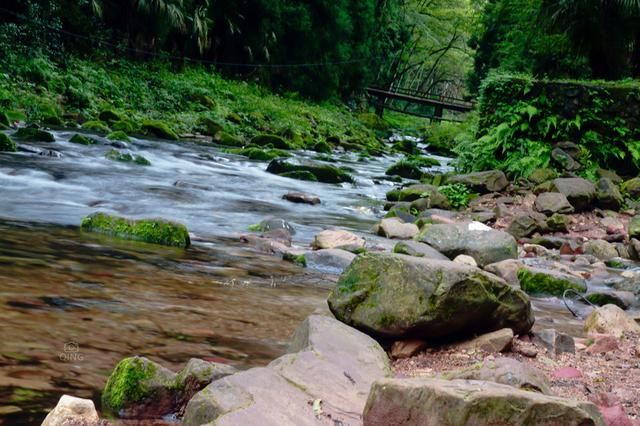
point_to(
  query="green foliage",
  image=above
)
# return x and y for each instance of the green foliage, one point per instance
(159, 129)
(521, 118)
(458, 195)
(96, 126)
(7, 144)
(150, 231)
(118, 135)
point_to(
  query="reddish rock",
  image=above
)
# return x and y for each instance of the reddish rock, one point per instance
(611, 409)
(567, 373)
(407, 348)
(603, 344)
(571, 248)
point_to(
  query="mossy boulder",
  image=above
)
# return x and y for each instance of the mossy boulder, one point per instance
(396, 296)
(126, 157)
(156, 231)
(634, 227)
(580, 192)
(96, 126)
(224, 138)
(127, 126)
(52, 120)
(260, 154)
(482, 182)
(300, 175)
(323, 173)
(539, 176)
(159, 129)
(109, 116)
(273, 140)
(118, 135)
(608, 195)
(405, 169)
(431, 196)
(7, 144)
(82, 139)
(546, 282)
(322, 147)
(139, 388)
(32, 134)
(4, 119)
(631, 188)
(209, 126)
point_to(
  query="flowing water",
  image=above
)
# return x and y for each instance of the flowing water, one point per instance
(73, 304)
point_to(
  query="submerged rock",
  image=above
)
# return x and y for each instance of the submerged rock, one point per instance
(155, 231)
(328, 364)
(333, 261)
(31, 134)
(484, 245)
(159, 129)
(397, 296)
(433, 402)
(322, 172)
(543, 281)
(82, 139)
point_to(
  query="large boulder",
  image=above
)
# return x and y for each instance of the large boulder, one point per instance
(72, 411)
(397, 296)
(525, 225)
(482, 182)
(398, 229)
(321, 172)
(632, 188)
(553, 202)
(580, 192)
(433, 402)
(328, 364)
(484, 244)
(608, 195)
(610, 319)
(601, 249)
(337, 238)
(540, 281)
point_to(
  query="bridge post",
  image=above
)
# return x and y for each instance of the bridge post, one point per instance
(438, 113)
(380, 106)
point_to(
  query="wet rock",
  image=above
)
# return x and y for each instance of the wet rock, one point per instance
(463, 259)
(333, 261)
(417, 249)
(82, 139)
(564, 160)
(159, 129)
(552, 202)
(322, 172)
(430, 214)
(32, 134)
(407, 348)
(608, 195)
(600, 249)
(154, 231)
(507, 270)
(326, 361)
(580, 192)
(634, 227)
(622, 299)
(335, 238)
(395, 228)
(484, 245)
(274, 223)
(555, 342)
(396, 296)
(139, 388)
(524, 225)
(496, 341)
(550, 282)
(506, 371)
(72, 411)
(301, 198)
(119, 144)
(610, 319)
(433, 402)
(482, 182)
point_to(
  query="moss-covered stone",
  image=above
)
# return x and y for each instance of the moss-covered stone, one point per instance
(323, 173)
(127, 126)
(224, 138)
(631, 188)
(300, 175)
(273, 140)
(118, 135)
(260, 154)
(558, 223)
(539, 176)
(52, 120)
(32, 134)
(7, 144)
(96, 126)
(82, 139)
(209, 126)
(322, 147)
(297, 259)
(234, 118)
(125, 157)
(541, 282)
(159, 129)
(405, 169)
(4, 119)
(109, 116)
(634, 227)
(601, 299)
(155, 231)
(127, 383)
(372, 121)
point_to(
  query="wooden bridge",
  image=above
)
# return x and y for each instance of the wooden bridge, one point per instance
(440, 103)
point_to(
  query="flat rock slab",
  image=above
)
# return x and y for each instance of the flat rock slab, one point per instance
(397, 229)
(432, 402)
(336, 238)
(301, 198)
(332, 261)
(327, 361)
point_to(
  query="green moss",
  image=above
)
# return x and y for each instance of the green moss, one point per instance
(322, 147)
(273, 140)
(255, 153)
(116, 155)
(601, 299)
(300, 175)
(118, 135)
(33, 135)
(372, 121)
(297, 259)
(96, 126)
(4, 119)
(406, 169)
(81, 139)
(540, 283)
(109, 116)
(226, 139)
(7, 144)
(126, 383)
(209, 127)
(159, 129)
(151, 231)
(126, 126)
(52, 120)
(322, 172)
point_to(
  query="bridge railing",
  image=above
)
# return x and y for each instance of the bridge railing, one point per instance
(424, 95)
